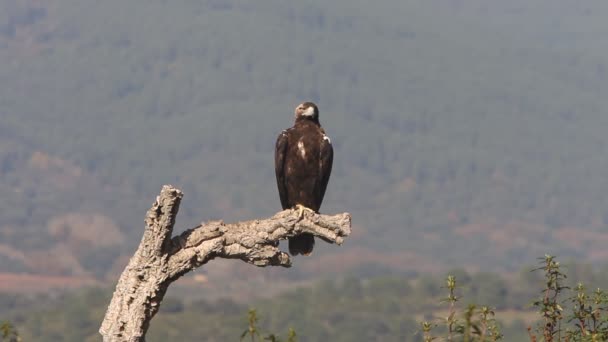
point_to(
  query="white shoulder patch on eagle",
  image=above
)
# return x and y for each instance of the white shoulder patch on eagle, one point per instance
(301, 149)
(325, 137)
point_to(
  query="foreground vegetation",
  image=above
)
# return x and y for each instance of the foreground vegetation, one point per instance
(566, 313)
(354, 308)
(8, 333)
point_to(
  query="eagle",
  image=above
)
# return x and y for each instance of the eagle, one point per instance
(303, 159)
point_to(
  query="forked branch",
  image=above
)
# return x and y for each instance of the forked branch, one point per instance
(161, 259)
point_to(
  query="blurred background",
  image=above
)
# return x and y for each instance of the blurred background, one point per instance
(469, 136)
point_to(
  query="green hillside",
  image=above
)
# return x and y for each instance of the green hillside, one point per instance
(465, 132)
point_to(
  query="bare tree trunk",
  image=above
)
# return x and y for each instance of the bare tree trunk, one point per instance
(160, 259)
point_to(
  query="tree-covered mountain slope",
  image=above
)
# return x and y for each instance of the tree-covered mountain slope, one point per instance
(464, 131)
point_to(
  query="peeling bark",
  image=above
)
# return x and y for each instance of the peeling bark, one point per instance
(161, 259)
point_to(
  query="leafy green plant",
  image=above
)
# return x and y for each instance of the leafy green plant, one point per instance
(252, 330)
(475, 323)
(8, 332)
(255, 333)
(548, 305)
(584, 318)
(580, 317)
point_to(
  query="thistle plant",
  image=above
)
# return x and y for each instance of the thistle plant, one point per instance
(252, 330)
(548, 304)
(427, 328)
(8, 333)
(476, 325)
(255, 333)
(451, 320)
(585, 313)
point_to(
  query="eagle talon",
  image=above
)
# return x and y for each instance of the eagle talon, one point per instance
(301, 209)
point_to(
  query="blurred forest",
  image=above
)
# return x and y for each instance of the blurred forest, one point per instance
(466, 132)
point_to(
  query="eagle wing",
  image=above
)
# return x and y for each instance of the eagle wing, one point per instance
(279, 167)
(325, 162)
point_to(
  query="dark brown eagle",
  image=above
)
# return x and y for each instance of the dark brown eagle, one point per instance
(302, 160)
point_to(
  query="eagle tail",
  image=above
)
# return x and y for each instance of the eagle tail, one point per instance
(301, 244)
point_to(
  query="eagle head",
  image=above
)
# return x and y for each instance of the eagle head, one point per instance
(307, 110)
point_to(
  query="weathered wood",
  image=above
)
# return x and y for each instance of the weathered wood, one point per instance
(160, 259)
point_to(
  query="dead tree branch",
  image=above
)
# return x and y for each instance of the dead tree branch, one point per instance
(160, 259)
